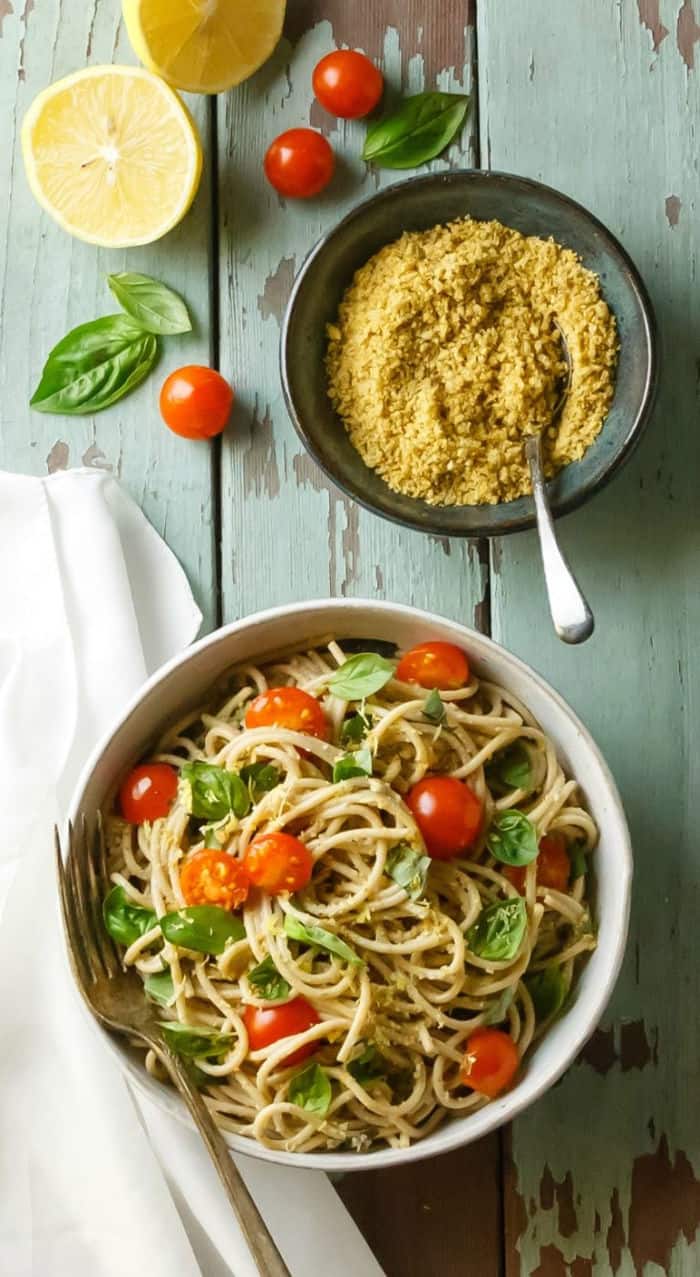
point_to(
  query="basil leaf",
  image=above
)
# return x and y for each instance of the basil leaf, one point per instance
(512, 838)
(579, 862)
(419, 130)
(360, 676)
(359, 764)
(311, 1090)
(498, 932)
(192, 1041)
(214, 791)
(160, 987)
(156, 308)
(204, 928)
(354, 728)
(434, 707)
(124, 920)
(94, 365)
(510, 768)
(409, 869)
(548, 991)
(260, 779)
(381, 646)
(267, 981)
(498, 1012)
(369, 1066)
(320, 939)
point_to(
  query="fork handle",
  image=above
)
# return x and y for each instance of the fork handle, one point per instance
(571, 615)
(267, 1258)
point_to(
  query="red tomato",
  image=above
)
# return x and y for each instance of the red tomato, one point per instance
(434, 665)
(347, 84)
(299, 163)
(212, 877)
(552, 864)
(266, 1025)
(196, 402)
(148, 792)
(448, 814)
(278, 862)
(490, 1061)
(288, 707)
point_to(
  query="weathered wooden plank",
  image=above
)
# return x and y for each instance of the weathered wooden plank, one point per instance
(49, 282)
(604, 1178)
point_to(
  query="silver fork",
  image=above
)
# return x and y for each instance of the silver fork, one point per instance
(116, 998)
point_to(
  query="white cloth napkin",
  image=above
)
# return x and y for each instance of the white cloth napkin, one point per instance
(91, 602)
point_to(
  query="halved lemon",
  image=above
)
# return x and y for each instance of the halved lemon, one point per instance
(203, 46)
(112, 154)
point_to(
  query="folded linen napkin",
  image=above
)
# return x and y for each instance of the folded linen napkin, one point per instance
(93, 601)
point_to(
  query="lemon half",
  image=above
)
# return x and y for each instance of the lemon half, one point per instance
(203, 46)
(112, 154)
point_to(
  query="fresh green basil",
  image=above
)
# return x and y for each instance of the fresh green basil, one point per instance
(417, 132)
(204, 928)
(124, 920)
(155, 308)
(94, 365)
(360, 676)
(498, 1012)
(510, 769)
(381, 646)
(498, 932)
(548, 990)
(354, 728)
(195, 1041)
(260, 779)
(409, 869)
(214, 792)
(434, 708)
(160, 987)
(311, 1090)
(267, 981)
(368, 1066)
(512, 838)
(358, 764)
(579, 862)
(320, 939)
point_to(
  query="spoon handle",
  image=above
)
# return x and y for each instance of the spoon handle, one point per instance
(572, 617)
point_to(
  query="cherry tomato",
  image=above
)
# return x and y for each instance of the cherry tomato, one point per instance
(195, 402)
(490, 1061)
(347, 84)
(278, 862)
(299, 163)
(552, 864)
(448, 814)
(212, 877)
(147, 792)
(434, 665)
(266, 1025)
(288, 707)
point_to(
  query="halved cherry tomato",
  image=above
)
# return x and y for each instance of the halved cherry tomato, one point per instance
(288, 707)
(266, 1025)
(195, 402)
(278, 862)
(434, 665)
(212, 877)
(299, 163)
(448, 814)
(490, 1062)
(347, 84)
(553, 866)
(147, 793)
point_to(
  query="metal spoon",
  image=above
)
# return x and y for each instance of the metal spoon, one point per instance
(571, 615)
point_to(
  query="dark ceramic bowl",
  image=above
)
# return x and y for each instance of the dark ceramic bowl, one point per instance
(417, 204)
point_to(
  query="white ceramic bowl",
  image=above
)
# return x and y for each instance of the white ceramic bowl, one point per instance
(183, 683)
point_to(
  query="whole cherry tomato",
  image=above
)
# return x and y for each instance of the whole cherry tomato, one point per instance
(212, 877)
(147, 793)
(490, 1061)
(196, 402)
(266, 1025)
(347, 84)
(299, 163)
(288, 707)
(448, 814)
(440, 665)
(553, 866)
(277, 862)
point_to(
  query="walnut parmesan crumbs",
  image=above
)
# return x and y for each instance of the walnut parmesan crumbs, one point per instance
(445, 354)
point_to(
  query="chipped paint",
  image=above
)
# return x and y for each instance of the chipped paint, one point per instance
(665, 1205)
(650, 18)
(58, 457)
(687, 34)
(673, 209)
(28, 8)
(95, 458)
(278, 286)
(260, 470)
(6, 11)
(615, 1239)
(631, 1044)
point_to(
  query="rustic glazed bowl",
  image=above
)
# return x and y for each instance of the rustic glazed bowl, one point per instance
(185, 682)
(417, 204)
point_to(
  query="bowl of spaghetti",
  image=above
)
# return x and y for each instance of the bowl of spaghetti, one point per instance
(371, 871)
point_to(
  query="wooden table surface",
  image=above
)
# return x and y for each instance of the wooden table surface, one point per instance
(600, 100)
